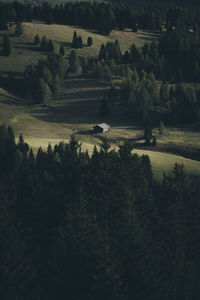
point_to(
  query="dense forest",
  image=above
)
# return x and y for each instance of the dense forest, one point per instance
(99, 15)
(95, 227)
(82, 226)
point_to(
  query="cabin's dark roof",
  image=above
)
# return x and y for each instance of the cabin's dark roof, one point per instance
(103, 126)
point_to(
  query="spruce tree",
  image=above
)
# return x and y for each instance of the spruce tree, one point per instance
(50, 46)
(6, 45)
(89, 41)
(62, 51)
(75, 40)
(43, 91)
(74, 62)
(44, 44)
(80, 42)
(56, 84)
(36, 40)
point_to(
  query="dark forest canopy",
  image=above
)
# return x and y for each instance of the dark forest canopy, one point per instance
(98, 15)
(95, 227)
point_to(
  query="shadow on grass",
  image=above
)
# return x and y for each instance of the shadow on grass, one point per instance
(14, 83)
(64, 44)
(85, 132)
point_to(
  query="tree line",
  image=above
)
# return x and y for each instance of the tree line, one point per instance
(100, 16)
(81, 226)
(149, 102)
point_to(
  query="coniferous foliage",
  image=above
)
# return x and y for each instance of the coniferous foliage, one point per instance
(62, 50)
(93, 227)
(74, 63)
(50, 46)
(75, 40)
(45, 78)
(36, 40)
(44, 44)
(6, 45)
(89, 41)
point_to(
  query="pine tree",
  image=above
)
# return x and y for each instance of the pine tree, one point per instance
(50, 46)
(164, 93)
(74, 62)
(107, 72)
(80, 42)
(36, 40)
(56, 84)
(161, 128)
(43, 91)
(75, 40)
(89, 41)
(102, 52)
(62, 51)
(44, 44)
(6, 45)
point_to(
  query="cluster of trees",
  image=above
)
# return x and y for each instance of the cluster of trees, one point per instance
(141, 93)
(175, 58)
(45, 44)
(110, 51)
(77, 41)
(95, 227)
(102, 16)
(146, 101)
(45, 78)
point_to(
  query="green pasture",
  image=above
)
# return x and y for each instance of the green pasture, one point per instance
(24, 52)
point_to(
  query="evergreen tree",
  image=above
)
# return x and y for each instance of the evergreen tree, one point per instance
(36, 40)
(164, 93)
(50, 46)
(147, 135)
(80, 42)
(102, 52)
(85, 64)
(107, 73)
(56, 64)
(44, 44)
(74, 62)
(161, 128)
(89, 41)
(75, 40)
(6, 45)
(43, 91)
(62, 51)
(56, 85)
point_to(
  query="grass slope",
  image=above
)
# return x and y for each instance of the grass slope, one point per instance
(24, 52)
(76, 107)
(77, 112)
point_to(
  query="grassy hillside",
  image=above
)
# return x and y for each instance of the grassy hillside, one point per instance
(75, 108)
(24, 52)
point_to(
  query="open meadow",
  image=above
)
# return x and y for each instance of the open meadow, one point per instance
(24, 52)
(75, 109)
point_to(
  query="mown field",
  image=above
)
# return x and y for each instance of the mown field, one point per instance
(75, 109)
